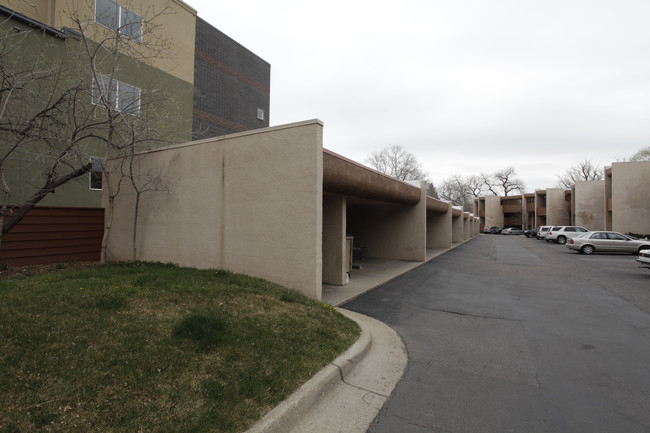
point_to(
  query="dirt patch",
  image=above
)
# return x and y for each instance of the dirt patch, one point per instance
(28, 270)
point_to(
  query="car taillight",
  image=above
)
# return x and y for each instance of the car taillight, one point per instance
(570, 241)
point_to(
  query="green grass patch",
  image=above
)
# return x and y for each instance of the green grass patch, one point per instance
(153, 347)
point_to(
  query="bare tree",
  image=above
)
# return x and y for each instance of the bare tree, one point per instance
(35, 128)
(141, 183)
(460, 191)
(641, 155)
(475, 185)
(396, 161)
(582, 171)
(504, 180)
(46, 113)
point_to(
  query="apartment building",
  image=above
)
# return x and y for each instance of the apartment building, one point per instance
(206, 84)
(175, 78)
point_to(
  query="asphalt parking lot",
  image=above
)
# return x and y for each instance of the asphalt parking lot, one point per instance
(510, 334)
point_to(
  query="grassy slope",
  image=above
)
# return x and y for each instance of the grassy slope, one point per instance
(154, 347)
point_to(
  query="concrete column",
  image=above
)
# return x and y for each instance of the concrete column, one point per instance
(439, 229)
(558, 210)
(334, 254)
(474, 226)
(588, 200)
(467, 228)
(457, 235)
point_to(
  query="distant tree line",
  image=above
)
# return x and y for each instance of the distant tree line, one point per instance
(459, 190)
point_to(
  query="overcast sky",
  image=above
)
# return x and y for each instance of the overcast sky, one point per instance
(467, 86)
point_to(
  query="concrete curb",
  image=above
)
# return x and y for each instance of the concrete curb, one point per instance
(284, 416)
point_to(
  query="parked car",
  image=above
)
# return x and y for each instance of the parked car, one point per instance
(511, 231)
(590, 242)
(495, 230)
(644, 258)
(488, 229)
(542, 231)
(531, 233)
(562, 233)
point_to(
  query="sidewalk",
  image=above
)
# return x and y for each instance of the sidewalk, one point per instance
(348, 393)
(373, 273)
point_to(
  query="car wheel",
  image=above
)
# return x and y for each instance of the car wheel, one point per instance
(587, 249)
(561, 240)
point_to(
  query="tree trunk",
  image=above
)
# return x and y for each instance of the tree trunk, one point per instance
(49, 187)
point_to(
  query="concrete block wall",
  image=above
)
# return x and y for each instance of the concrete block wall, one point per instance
(249, 203)
(588, 200)
(256, 203)
(630, 197)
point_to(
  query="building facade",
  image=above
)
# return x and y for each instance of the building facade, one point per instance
(627, 199)
(184, 85)
(232, 85)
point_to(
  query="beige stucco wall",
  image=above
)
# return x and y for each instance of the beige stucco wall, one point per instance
(558, 209)
(631, 197)
(457, 225)
(493, 211)
(170, 28)
(467, 226)
(439, 229)
(475, 224)
(589, 204)
(334, 230)
(390, 231)
(249, 203)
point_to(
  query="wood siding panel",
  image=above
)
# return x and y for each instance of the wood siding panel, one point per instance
(54, 235)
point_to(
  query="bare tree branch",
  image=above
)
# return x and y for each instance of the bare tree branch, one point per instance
(396, 161)
(582, 171)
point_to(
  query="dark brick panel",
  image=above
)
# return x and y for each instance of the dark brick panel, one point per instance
(230, 82)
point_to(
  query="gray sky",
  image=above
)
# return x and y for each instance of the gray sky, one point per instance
(467, 86)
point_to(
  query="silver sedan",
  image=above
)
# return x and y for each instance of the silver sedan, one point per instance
(591, 242)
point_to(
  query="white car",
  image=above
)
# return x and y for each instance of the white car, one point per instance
(644, 258)
(542, 232)
(560, 234)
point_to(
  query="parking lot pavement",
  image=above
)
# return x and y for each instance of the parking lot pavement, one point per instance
(506, 333)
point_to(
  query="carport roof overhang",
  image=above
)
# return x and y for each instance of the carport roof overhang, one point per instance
(346, 177)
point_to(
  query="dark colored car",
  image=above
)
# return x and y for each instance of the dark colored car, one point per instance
(531, 233)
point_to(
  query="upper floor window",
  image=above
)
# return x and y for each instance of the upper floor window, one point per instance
(120, 96)
(96, 171)
(118, 18)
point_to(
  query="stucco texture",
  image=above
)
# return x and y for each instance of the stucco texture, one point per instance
(630, 197)
(249, 203)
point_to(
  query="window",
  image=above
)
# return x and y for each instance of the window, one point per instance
(118, 18)
(118, 95)
(96, 174)
(260, 113)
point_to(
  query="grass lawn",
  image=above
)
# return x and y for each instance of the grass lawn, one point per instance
(155, 348)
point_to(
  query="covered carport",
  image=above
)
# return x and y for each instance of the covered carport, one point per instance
(379, 216)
